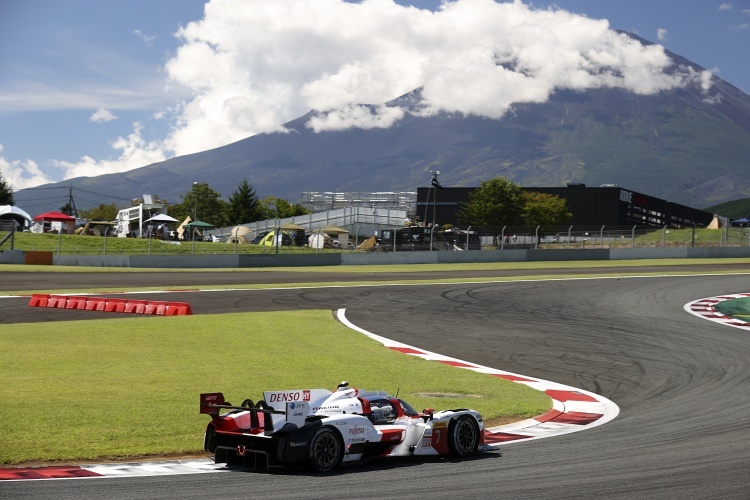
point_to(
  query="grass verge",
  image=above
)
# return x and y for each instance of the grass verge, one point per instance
(737, 308)
(128, 387)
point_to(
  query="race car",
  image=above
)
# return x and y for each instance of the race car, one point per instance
(321, 429)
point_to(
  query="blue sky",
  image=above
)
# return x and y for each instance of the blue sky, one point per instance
(91, 87)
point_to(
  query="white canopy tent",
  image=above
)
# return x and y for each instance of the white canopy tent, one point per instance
(161, 218)
(17, 214)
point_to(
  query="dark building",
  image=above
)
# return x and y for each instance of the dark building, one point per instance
(590, 206)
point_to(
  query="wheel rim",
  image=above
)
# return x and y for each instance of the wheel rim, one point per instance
(326, 450)
(466, 436)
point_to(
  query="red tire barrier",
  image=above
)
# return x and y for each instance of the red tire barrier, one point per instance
(57, 301)
(115, 305)
(39, 300)
(158, 307)
(96, 304)
(76, 303)
(133, 306)
(179, 309)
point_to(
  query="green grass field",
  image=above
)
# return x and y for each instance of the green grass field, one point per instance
(128, 387)
(74, 244)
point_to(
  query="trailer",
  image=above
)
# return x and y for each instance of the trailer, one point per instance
(132, 222)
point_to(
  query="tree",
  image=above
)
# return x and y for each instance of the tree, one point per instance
(210, 207)
(542, 209)
(67, 209)
(244, 205)
(6, 192)
(497, 202)
(103, 211)
(272, 207)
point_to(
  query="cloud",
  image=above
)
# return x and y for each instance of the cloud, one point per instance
(249, 67)
(725, 6)
(134, 152)
(135, 94)
(21, 174)
(274, 61)
(661, 34)
(102, 115)
(706, 84)
(363, 117)
(147, 39)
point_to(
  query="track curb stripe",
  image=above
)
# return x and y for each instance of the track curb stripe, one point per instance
(573, 409)
(705, 308)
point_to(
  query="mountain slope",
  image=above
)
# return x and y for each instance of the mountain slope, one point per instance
(682, 145)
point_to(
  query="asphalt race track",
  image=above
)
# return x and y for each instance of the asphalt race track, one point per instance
(681, 383)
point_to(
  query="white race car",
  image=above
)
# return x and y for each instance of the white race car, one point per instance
(322, 429)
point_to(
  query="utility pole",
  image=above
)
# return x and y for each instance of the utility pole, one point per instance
(71, 201)
(435, 184)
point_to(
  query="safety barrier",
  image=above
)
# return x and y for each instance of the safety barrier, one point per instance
(106, 304)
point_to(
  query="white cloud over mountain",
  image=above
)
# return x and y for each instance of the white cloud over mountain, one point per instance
(21, 174)
(253, 66)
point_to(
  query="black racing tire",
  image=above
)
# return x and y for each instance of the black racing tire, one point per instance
(248, 403)
(463, 436)
(326, 450)
(210, 441)
(262, 405)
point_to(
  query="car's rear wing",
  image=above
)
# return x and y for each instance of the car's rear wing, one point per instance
(212, 404)
(265, 419)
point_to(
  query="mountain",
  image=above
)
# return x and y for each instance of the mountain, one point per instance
(681, 145)
(735, 209)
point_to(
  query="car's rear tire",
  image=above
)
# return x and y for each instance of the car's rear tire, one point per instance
(463, 436)
(325, 451)
(210, 441)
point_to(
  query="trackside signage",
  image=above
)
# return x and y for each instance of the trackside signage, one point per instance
(633, 198)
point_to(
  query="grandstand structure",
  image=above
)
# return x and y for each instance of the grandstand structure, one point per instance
(394, 200)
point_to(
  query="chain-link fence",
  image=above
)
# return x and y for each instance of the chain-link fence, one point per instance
(572, 237)
(568, 237)
(389, 239)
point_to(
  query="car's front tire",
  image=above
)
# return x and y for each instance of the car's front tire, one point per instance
(325, 451)
(463, 436)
